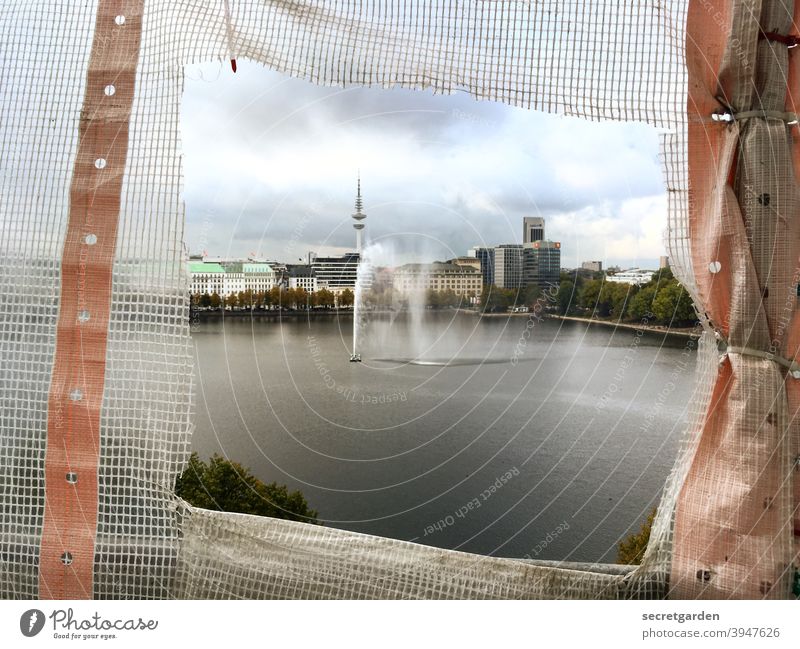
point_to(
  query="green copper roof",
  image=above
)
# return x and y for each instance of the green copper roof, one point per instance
(204, 267)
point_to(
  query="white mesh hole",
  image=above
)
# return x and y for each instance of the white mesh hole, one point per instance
(90, 240)
(110, 89)
(100, 163)
(83, 316)
(72, 477)
(714, 267)
(66, 558)
(76, 395)
(120, 20)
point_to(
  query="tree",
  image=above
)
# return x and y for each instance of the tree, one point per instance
(346, 298)
(205, 300)
(631, 550)
(325, 298)
(640, 305)
(450, 298)
(591, 298)
(232, 301)
(226, 486)
(495, 299)
(258, 299)
(566, 297)
(616, 297)
(245, 299)
(432, 298)
(301, 298)
(275, 297)
(216, 301)
(672, 305)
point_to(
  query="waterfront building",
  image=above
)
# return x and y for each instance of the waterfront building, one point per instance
(206, 277)
(256, 276)
(486, 258)
(336, 273)
(224, 277)
(438, 276)
(302, 276)
(508, 266)
(472, 262)
(541, 265)
(663, 261)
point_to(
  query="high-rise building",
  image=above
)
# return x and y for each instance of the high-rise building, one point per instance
(663, 261)
(541, 265)
(486, 258)
(359, 217)
(508, 265)
(532, 229)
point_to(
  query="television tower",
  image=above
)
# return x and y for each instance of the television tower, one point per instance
(359, 216)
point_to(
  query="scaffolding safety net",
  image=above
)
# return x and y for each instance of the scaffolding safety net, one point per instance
(95, 358)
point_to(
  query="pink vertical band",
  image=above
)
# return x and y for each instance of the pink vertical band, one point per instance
(66, 559)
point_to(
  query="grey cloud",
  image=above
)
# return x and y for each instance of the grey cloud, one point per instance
(271, 161)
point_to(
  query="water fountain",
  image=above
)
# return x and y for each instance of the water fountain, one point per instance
(392, 322)
(389, 325)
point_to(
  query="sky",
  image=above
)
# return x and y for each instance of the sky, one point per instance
(271, 162)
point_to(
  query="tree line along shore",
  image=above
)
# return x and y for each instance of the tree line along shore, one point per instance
(660, 304)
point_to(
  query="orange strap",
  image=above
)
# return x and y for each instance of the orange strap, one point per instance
(66, 559)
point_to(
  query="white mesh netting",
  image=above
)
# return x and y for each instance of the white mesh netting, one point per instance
(109, 503)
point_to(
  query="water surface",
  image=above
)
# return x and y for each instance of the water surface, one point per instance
(502, 436)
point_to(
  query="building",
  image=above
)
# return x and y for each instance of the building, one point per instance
(663, 261)
(255, 276)
(594, 266)
(438, 276)
(631, 276)
(301, 276)
(532, 229)
(486, 258)
(472, 262)
(508, 266)
(541, 264)
(206, 277)
(226, 277)
(336, 273)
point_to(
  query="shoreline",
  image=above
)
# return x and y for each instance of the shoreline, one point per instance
(683, 332)
(274, 315)
(656, 329)
(337, 313)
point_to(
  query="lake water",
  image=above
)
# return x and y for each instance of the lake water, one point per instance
(551, 444)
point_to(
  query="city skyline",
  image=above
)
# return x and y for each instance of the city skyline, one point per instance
(270, 164)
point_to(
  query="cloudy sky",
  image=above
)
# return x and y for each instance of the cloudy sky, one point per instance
(271, 164)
